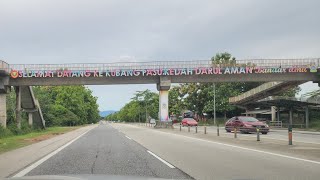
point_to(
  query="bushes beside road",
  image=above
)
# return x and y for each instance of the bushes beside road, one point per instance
(60, 105)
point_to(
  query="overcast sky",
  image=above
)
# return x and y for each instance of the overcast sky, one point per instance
(71, 31)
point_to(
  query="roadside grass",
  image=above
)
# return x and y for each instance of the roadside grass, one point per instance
(16, 141)
(314, 125)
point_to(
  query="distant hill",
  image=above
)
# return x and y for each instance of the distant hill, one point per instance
(106, 113)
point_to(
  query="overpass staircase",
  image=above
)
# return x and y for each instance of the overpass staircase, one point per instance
(262, 91)
(31, 105)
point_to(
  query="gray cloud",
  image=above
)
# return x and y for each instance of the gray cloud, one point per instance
(59, 31)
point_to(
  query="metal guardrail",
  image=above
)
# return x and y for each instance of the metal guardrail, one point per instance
(277, 124)
(283, 63)
(294, 125)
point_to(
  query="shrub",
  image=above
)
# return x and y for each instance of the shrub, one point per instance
(4, 132)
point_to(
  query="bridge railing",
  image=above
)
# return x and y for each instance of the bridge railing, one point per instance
(3, 65)
(284, 63)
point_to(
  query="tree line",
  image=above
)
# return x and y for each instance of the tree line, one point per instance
(195, 97)
(60, 105)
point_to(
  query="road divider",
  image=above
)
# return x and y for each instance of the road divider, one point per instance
(256, 137)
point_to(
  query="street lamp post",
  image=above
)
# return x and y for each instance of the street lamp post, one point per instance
(146, 113)
(214, 104)
(140, 99)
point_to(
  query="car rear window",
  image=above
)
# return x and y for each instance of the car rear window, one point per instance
(248, 119)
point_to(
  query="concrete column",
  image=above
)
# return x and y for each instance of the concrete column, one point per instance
(273, 113)
(18, 107)
(290, 116)
(307, 117)
(3, 110)
(278, 113)
(30, 119)
(163, 87)
(164, 105)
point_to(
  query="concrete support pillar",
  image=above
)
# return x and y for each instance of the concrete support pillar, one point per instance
(290, 116)
(278, 113)
(307, 117)
(163, 87)
(273, 113)
(3, 110)
(164, 105)
(30, 118)
(18, 106)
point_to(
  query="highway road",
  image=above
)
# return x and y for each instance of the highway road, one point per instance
(209, 159)
(133, 150)
(104, 150)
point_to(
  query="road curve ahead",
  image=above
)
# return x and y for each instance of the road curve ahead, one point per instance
(105, 150)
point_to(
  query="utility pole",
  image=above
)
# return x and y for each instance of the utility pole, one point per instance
(146, 112)
(139, 100)
(214, 104)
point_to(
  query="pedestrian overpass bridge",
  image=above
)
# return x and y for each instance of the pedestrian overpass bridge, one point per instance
(161, 73)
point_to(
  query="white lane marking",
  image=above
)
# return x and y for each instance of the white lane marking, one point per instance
(165, 162)
(128, 137)
(36, 164)
(244, 148)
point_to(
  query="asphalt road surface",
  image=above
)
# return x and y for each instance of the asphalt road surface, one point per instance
(105, 150)
(209, 159)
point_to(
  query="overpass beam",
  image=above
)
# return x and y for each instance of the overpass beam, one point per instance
(18, 106)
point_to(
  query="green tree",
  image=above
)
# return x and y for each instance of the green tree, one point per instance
(75, 103)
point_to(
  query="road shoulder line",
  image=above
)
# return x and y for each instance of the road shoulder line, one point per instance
(40, 161)
(165, 162)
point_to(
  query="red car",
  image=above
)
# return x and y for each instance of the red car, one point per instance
(189, 122)
(246, 124)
